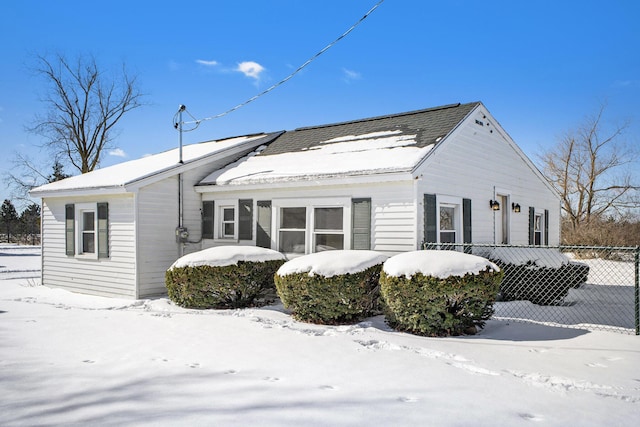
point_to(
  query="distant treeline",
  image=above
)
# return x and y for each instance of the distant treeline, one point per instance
(603, 232)
(20, 228)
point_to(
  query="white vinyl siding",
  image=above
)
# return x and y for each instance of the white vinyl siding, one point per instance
(157, 247)
(113, 276)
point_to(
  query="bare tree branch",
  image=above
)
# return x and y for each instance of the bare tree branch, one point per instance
(587, 167)
(83, 107)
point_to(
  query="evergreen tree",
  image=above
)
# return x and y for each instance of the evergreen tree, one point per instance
(30, 222)
(58, 173)
(8, 217)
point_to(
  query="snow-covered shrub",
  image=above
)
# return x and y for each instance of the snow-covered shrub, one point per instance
(438, 293)
(331, 287)
(223, 277)
(542, 276)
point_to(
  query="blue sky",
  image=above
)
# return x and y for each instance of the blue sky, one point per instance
(539, 67)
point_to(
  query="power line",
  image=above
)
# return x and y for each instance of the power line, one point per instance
(197, 122)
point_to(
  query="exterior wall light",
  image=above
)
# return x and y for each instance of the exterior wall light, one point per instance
(515, 207)
(494, 205)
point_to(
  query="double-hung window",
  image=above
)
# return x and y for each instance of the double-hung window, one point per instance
(537, 230)
(87, 230)
(227, 219)
(88, 227)
(228, 222)
(328, 229)
(293, 230)
(448, 224)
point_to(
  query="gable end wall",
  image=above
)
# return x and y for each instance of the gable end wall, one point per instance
(475, 162)
(112, 277)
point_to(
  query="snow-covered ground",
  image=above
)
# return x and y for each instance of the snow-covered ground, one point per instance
(75, 359)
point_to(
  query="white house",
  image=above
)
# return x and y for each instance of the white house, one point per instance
(113, 231)
(389, 183)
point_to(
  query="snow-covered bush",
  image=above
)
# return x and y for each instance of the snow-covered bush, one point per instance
(223, 277)
(331, 287)
(542, 276)
(438, 293)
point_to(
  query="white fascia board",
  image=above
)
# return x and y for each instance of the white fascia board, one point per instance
(81, 192)
(318, 182)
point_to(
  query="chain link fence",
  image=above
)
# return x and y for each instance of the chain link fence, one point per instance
(584, 287)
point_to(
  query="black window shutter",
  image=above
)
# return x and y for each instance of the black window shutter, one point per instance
(263, 224)
(103, 230)
(466, 223)
(532, 224)
(466, 220)
(430, 219)
(69, 230)
(207, 219)
(546, 227)
(361, 224)
(245, 219)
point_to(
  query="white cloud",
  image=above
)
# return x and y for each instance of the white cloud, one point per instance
(250, 69)
(207, 63)
(350, 75)
(117, 152)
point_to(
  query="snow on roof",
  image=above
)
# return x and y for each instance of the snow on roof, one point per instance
(221, 256)
(332, 263)
(376, 152)
(440, 264)
(125, 173)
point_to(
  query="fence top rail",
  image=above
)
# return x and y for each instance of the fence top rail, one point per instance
(564, 247)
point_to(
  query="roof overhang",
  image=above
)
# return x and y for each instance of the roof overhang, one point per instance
(178, 168)
(82, 192)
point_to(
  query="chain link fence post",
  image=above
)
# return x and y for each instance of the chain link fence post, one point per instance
(637, 290)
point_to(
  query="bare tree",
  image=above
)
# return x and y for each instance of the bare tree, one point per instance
(83, 106)
(589, 168)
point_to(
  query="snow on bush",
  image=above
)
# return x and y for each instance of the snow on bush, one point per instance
(220, 256)
(332, 263)
(438, 293)
(331, 287)
(440, 264)
(223, 277)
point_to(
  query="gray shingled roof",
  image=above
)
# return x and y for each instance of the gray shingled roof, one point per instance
(428, 125)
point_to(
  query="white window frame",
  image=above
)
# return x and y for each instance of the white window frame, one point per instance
(455, 230)
(305, 230)
(538, 221)
(450, 202)
(80, 209)
(218, 232)
(311, 204)
(315, 232)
